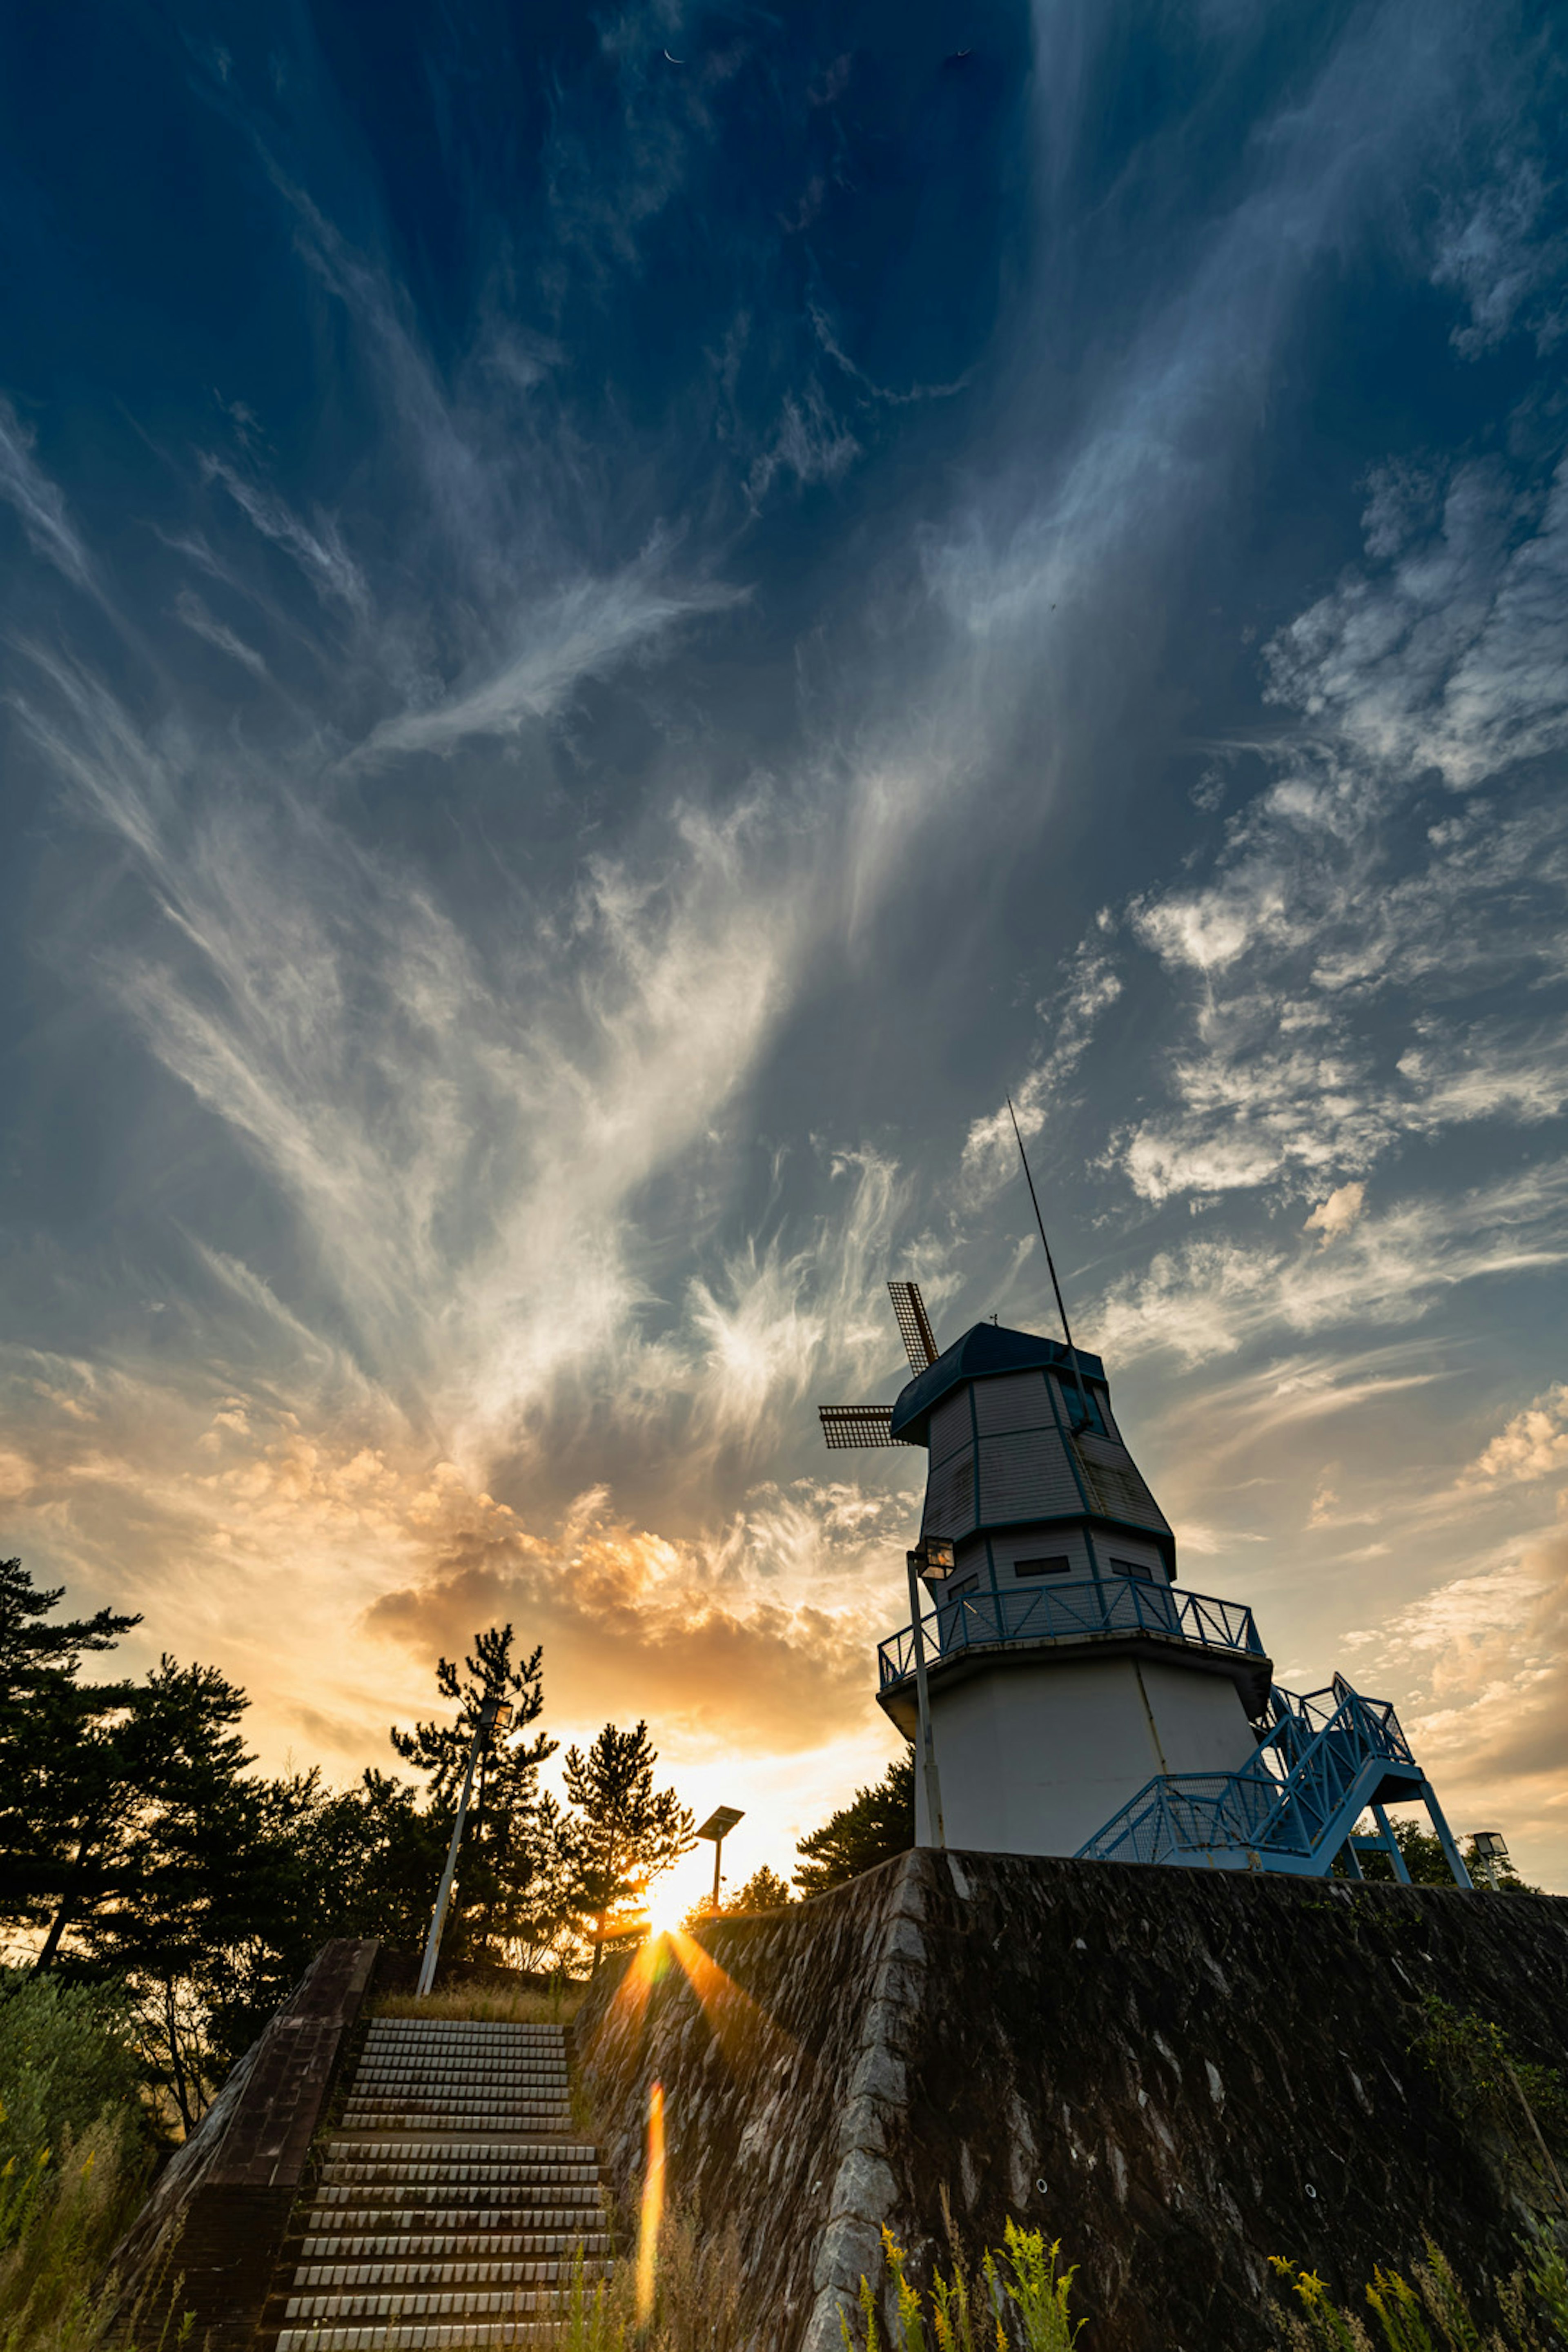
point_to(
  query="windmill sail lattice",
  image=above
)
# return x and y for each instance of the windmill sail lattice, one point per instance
(848, 1425)
(914, 1327)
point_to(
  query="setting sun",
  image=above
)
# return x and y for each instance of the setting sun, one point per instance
(665, 1912)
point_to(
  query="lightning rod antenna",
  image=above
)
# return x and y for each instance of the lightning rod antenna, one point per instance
(1056, 1285)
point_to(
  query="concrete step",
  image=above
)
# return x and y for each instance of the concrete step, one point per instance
(380, 2305)
(552, 2236)
(437, 2033)
(335, 2223)
(509, 2172)
(462, 2070)
(436, 2120)
(419, 2335)
(387, 2276)
(465, 2111)
(457, 2094)
(469, 2186)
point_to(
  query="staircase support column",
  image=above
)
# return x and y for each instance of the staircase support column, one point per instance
(1451, 1853)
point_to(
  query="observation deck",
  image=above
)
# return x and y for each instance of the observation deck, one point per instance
(1071, 1619)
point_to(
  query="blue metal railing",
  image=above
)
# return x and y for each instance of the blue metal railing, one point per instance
(1070, 1610)
(1293, 1803)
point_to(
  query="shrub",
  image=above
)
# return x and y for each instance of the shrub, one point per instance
(66, 2058)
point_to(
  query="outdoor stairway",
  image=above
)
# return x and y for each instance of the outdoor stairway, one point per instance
(454, 2198)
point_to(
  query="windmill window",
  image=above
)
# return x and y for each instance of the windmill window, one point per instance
(1135, 1569)
(1058, 1564)
(1082, 1404)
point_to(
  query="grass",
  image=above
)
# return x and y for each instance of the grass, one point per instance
(59, 2223)
(490, 2004)
(696, 2305)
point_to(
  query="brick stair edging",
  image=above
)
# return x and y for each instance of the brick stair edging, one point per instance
(218, 2215)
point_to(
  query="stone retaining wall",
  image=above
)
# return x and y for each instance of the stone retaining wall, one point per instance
(1176, 2072)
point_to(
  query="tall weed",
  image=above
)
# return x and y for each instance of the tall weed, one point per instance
(965, 2312)
(62, 2219)
(1429, 2312)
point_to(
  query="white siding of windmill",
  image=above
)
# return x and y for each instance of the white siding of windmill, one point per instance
(1026, 1476)
(950, 1426)
(1015, 1400)
(1039, 1543)
(1114, 1484)
(1138, 1549)
(950, 1498)
(1034, 1759)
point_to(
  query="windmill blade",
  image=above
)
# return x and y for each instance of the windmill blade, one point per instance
(847, 1426)
(914, 1329)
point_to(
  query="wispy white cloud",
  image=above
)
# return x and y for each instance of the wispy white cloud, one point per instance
(1451, 657)
(1330, 953)
(990, 1148)
(1498, 250)
(585, 630)
(317, 547)
(39, 502)
(190, 609)
(1210, 1298)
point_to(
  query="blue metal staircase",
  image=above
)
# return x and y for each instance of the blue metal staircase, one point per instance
(1325, 1760)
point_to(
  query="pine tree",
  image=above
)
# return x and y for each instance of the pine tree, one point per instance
(764, 1891)
(43, 1711)
(877, 1825)
(512, 1870)
(625, 1833)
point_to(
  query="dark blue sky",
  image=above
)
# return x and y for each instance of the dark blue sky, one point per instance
(613, 624)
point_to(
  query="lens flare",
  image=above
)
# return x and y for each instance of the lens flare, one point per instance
(733, 2018)
(652, 2206)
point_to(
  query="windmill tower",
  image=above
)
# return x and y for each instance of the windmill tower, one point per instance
(1066, 1697)
(1060, 1674)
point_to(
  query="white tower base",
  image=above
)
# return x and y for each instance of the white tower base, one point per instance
(1035, 1758)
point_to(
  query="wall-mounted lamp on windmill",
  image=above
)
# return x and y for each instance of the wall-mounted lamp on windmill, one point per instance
(1079, 1703)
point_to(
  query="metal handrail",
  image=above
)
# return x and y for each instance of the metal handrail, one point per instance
(1071, 1609)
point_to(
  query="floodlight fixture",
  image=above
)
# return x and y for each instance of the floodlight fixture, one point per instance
(847, 1426)
(914, 1326)
(495, 1717)
(933, 1560)
(1491, 1843)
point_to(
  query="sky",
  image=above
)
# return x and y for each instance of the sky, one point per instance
(612, 623)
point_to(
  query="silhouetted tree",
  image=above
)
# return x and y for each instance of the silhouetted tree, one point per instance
(764, 1891)
(43, 1711)
(1428, 1864)
(625, 1833)
(877, 1825)
(513, 1869)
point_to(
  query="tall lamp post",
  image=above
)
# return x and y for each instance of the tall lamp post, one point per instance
(933, 1562)
(495, 1715)
(718, 1827)
(1490, 1850)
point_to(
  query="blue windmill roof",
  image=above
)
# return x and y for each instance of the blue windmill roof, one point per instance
(985, 1348)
